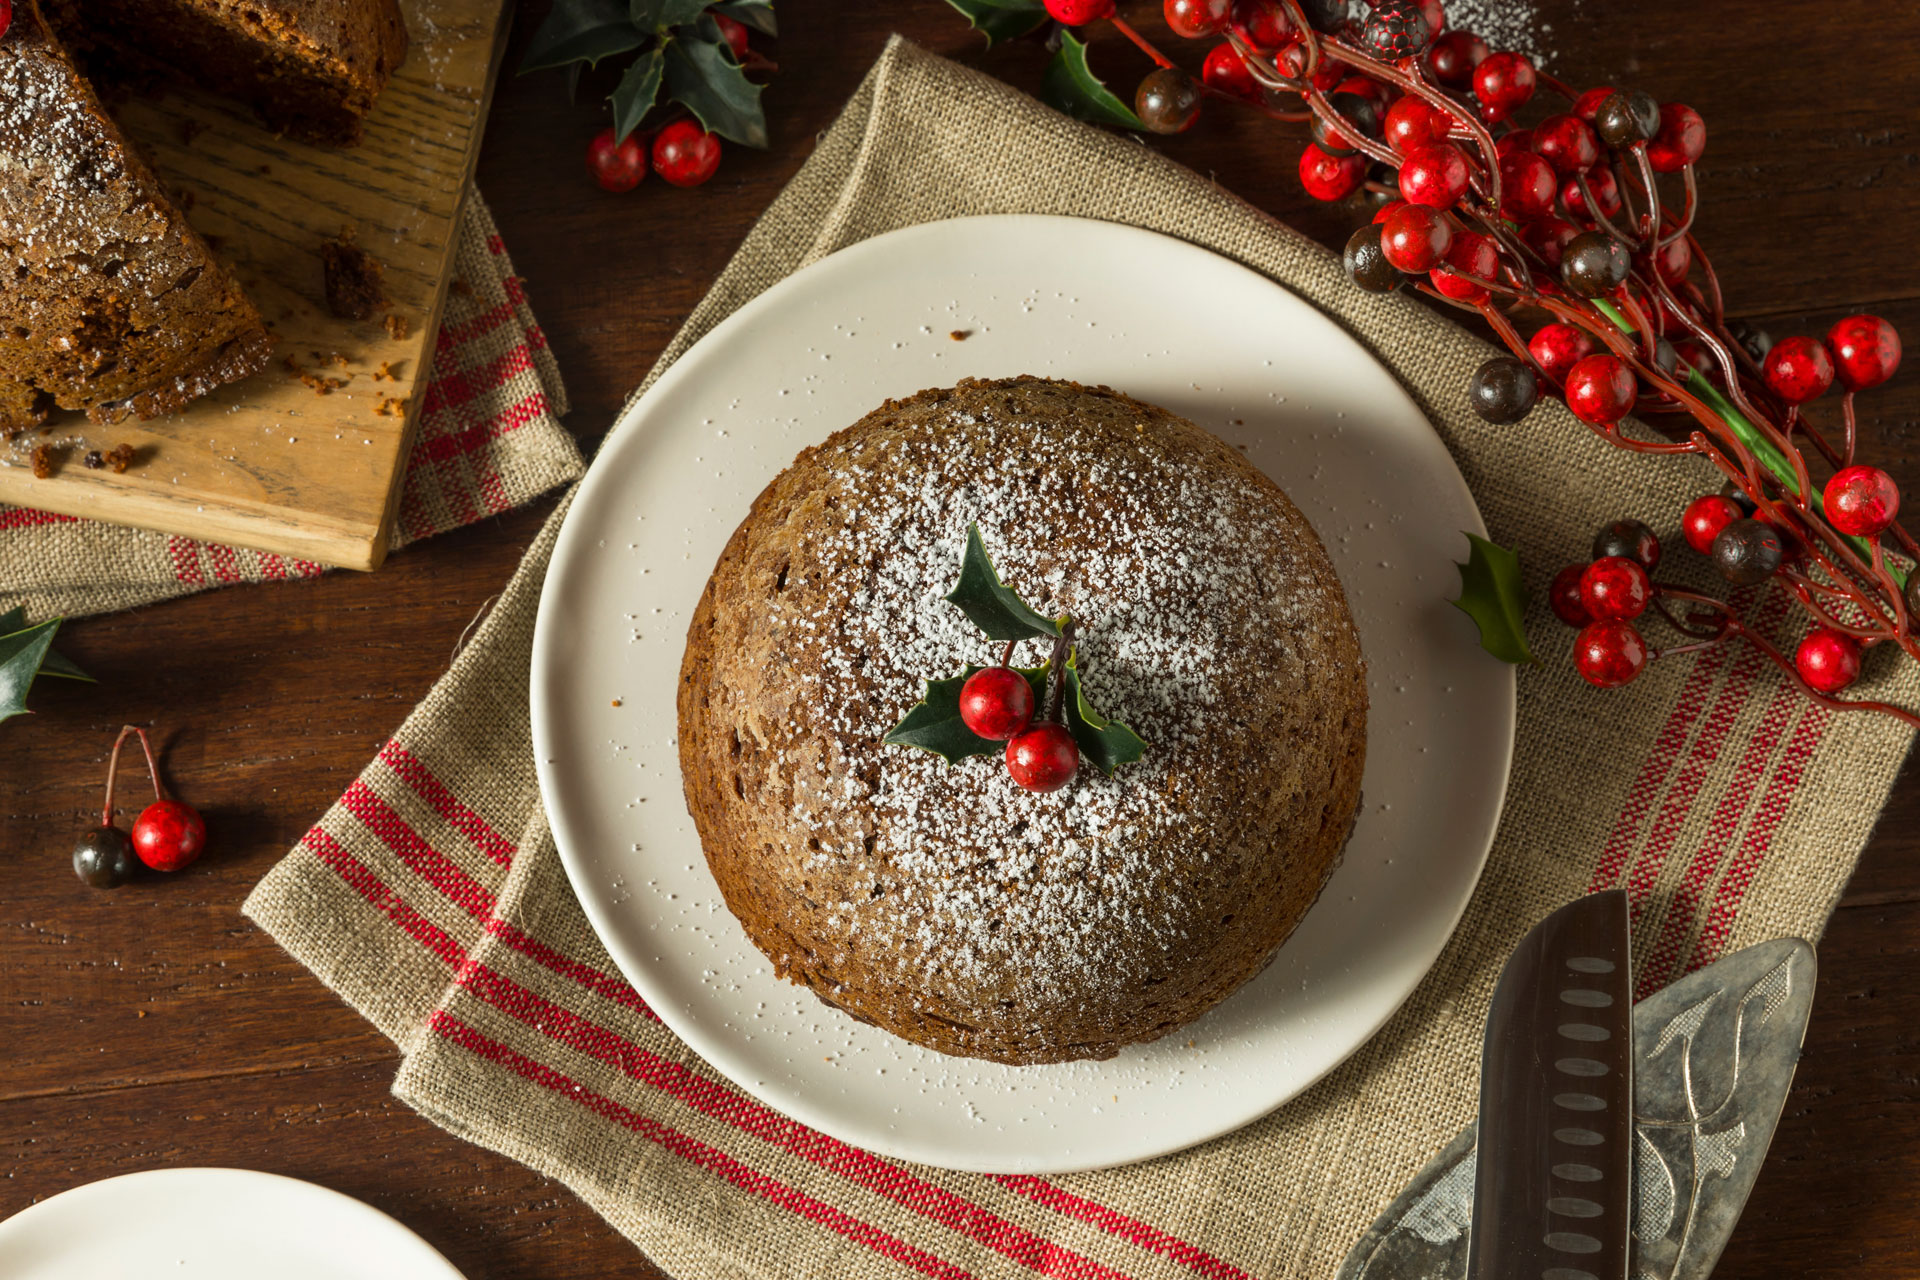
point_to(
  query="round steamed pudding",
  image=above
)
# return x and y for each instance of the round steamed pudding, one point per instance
(942, 902)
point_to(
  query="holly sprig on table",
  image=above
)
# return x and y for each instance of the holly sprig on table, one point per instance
(27, 652)
(1580, 214)
(990, 710)
(694, 54)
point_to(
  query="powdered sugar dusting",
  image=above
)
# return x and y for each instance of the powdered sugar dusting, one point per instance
(1505, 24)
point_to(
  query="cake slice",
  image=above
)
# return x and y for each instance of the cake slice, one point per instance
(311, 68)
(109, 302)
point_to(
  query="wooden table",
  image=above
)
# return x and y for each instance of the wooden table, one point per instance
(154, 1026)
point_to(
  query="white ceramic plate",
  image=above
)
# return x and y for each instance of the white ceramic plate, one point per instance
(211, 1224)
(1101, 303)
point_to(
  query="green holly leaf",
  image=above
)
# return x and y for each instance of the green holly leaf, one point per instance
(1107, 743)
(989, 603)
(582, 31)
(999, 20)
(653, 15)
(934, 723)
(1493, 595)
(52, 663)
(702, 76)
(757, 14)
(26, 652)
(634, 96)
(1070, 86)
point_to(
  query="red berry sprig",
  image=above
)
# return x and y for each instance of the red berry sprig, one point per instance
(167, 836)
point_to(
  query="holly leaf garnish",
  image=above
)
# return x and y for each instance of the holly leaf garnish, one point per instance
(703, 77)
(991, 604)
(999, 20)
(757, 14)
(934, 723)
(1069, 85)
(582, 31)
(26, 652)
(650, 15)
(1494, 596)
(634, 96)
(1107, 743)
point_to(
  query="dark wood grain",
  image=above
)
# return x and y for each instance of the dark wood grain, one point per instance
(156, 1027)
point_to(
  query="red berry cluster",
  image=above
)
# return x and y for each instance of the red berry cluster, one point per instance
(167, 836)
(683, 153)
(997, 703)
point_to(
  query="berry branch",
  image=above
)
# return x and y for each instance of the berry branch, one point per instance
(1572, 219)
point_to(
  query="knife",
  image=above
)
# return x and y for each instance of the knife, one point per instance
(1553, 1190)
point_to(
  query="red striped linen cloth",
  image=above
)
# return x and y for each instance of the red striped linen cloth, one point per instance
(432, 899)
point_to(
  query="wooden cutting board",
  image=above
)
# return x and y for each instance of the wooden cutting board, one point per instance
(271, 462)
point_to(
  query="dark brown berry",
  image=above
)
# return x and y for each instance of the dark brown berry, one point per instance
(1747, 552)
(1368, 265)
(1738, 497)
(1359, 117)
(1168, 100)
(104, 858)
(1752, 338)
(1626, 117)
(1594, 264)
(1630, 540)
(1504, 389)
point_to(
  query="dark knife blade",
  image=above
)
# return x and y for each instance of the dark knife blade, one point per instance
(1552, 1193)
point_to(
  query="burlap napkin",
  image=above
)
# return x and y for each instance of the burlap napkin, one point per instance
(489, 439)
(432, 899)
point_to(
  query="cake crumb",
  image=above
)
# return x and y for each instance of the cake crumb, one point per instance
(121, 458)
(391, 407)
(355, 280)
(387, 372)
(397, 328)
(46, 458)
(961, 335)
(94, 461)
(616, 702)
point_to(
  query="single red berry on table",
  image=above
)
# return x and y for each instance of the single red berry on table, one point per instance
(685, 154)
(616, 166)
(1077, 13)
(1615, 588)
(1587, 105)
(1606, 194)
(1564, 595)
(1705, 517)
(169, 835)
(1416, 238)
(1526, 187)
(1798, 369)
(1828, 660)
(1225, 70)
(996, 703)
(1609, 653)
(1861, 501)
(1567, 143)
(1330, 177)
(1503, 84)
(734, 32)
(1411, 123)
(1454, 56)
(1263, 24)
(1549, 238)
(1673, 260)
(1556, 348)
(1681, 140)
(1043, 758)
(1866, 351)
(1196, 18)
(1600, 390)
(1470, 255)
(1434, 175)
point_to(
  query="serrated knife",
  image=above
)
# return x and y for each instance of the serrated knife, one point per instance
(1553, 1190)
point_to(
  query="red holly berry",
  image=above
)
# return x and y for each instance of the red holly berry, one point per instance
(1861, 501)
(1609, 654)
(1415, 238)
(1503, 83)
(996, 703)
(1225, 70)
(1798, 369)
(1196, 18)
(1705, 517)
(1454, 56)
(1587, 105)
(1411, 123)
(1567, 143)
(1077, 13)
(1681, 139)
(733, 31)
(1262, 24)
(168, 835)
(1292, 62)
(1828, 660)
(1866, 351)
(616, 166)
(1044, 758)
(1549, 237)
(685, 154)
(1564, 595)
(1331, 177)
(1615, 587)
(1556, 348)
(1600, 390)
(1511, 141)
(1434, 175)
(1673, 260)
(1526, 187)
(1606, 194)
(1471, 254)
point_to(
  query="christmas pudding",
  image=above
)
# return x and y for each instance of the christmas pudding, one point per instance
(1023, 720)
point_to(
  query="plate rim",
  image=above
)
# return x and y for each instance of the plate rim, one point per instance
(691, 1031)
